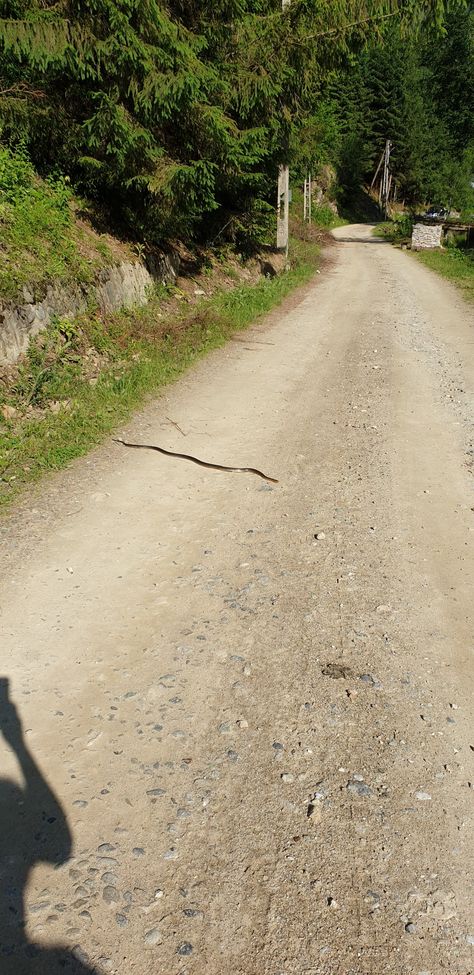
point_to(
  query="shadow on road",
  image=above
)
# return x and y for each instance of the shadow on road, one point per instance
(33, 829)
(356, 239)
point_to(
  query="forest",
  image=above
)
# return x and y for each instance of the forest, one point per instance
(169, 120)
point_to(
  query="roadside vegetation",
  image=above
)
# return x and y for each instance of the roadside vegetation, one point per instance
(41, 239)
(80, 380)
(456, 263)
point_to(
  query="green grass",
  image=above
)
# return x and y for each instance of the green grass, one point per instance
(40, 241)
(398, 230)
(454, 263)
(321, 216)
(138, 353)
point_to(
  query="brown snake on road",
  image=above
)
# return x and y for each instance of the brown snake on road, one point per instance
(195, 460)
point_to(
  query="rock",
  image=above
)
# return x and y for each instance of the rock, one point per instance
(156, 792)
(105, 964)
(370, 680)
(278, 746)
(171, 854)
(80, 954)
(185, 949)
(138, 851)
(8, 412)
(109, 878)
(121, 920)
(232, 756)
(320, 536)
(242, 724)
(373, 899)
(111, 895)
(247, 670)
(410, 928)
(106, 848)
(153, 937)
(422, 796)
(337, 671)
(224, 728)
(314, 812)
(287, 777)
(359, 788)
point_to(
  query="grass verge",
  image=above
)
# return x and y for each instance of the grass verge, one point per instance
(80, 380)
(41, 239)
(454, 263)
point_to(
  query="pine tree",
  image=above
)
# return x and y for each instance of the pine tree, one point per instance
(175, 117)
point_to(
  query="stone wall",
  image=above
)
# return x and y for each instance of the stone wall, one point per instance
(426, 236)
(122, 286)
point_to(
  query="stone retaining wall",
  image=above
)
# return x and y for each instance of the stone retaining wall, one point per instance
(122, 286)
(426, 236)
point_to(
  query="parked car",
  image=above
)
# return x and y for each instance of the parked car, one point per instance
(437, 213)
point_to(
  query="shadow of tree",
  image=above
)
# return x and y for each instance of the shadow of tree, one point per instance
(33, 829)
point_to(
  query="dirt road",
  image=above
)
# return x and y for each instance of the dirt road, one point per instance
(247, 750)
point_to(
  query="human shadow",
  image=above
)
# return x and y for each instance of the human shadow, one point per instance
(33, 829)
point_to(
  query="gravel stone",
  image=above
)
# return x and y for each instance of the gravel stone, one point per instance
(185, 949)
(111, 895)
(359, 789)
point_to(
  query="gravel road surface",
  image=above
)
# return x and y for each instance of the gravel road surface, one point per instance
(237, 734)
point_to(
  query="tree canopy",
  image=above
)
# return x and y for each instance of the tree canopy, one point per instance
(175, 116)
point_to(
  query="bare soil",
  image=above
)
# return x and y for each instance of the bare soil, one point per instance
(245, 749)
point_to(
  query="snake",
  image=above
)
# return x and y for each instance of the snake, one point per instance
(196, 460)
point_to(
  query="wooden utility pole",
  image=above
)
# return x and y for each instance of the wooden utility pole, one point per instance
(283, 208)
(307, 198)
(283, 199)
(386, 178)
